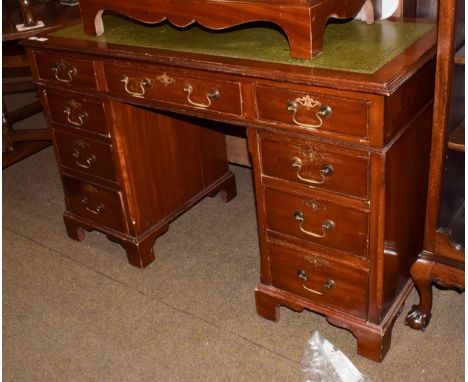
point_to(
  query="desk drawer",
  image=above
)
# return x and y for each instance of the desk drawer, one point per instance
(95, 203)
(182, 87)
(312, 110)
(66, 70)
(319, 280)
(85, 155)
(77, 111)
(326, 166)
(317, 221)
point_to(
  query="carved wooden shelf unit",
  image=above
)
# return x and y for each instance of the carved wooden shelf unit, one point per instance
(443, 259)
(303, 21)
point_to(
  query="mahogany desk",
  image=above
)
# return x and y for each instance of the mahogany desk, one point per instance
(340, 150)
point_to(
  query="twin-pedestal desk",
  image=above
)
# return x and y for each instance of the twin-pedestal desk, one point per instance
(339, 145)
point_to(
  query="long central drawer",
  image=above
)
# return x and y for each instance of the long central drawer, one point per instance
(186, 88)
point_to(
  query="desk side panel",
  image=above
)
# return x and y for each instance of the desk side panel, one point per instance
(407, 167)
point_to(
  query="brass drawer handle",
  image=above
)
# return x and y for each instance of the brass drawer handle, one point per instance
(71, 71)
(81, 117)
(325, 171)
(327, 285)
(89, 160)
(309, 103)
(144, 83)
(99, 206)
(212, 95)
(328, 225)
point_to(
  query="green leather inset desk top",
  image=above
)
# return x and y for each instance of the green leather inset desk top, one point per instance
(352, 46)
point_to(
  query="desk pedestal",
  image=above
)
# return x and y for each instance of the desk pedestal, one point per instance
(130, 185)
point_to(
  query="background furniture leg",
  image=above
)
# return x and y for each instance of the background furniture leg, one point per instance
(419, 316)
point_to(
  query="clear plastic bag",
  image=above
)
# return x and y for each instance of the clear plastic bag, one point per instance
(321, 362)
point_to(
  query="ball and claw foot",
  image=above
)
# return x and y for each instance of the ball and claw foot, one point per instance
(417, 320)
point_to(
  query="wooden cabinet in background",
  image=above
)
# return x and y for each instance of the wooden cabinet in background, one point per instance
(443, 259)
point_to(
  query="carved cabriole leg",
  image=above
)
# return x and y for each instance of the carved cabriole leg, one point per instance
(419, 316)
(425, 272)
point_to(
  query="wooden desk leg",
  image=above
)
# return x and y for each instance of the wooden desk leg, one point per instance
(141, 253)
(267, 306)
(425, 272)
(139, 250)
(373, 341)
(373, 345)
(227, 188)
(74, 229)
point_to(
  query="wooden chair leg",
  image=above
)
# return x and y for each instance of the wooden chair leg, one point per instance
(20, 144)
(425, 272)
(419, 316)
(8, 144)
